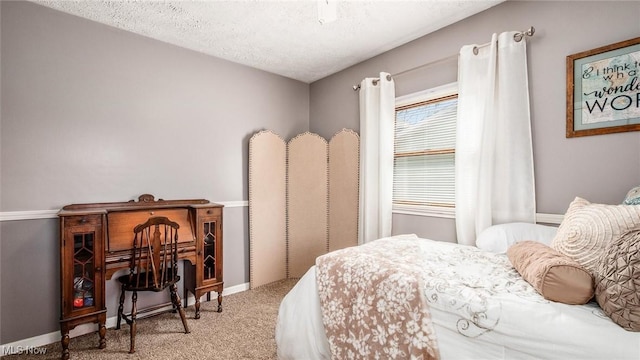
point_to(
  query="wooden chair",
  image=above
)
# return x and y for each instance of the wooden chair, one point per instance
(154, 267)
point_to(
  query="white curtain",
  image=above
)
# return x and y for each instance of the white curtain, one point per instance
(494, 156)
(377, 115)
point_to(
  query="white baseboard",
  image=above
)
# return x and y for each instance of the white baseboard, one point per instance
(31, 344)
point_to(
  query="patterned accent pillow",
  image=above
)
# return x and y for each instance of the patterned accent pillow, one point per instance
(618, 281)
(553, 275)
(587, 229)
(633, 197)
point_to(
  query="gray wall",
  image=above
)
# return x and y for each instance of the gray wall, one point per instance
(91, 113)
(599, 168)
(87, 110)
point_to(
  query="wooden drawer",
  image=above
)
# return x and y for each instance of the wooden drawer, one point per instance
(121, 224)
(210, 211)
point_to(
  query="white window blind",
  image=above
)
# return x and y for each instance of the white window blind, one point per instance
(424, 155)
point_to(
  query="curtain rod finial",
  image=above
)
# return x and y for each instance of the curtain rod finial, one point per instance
(531, 31)
(520, 35)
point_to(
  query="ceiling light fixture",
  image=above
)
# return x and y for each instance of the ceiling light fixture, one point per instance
(327, 11)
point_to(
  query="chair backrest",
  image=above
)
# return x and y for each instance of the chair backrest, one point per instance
(154, 261)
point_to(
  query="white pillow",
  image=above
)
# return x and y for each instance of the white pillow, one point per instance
(498, 238)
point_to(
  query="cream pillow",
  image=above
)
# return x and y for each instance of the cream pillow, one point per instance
(555, 276)
(587, 229)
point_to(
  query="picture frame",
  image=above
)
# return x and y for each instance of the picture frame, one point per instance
(603, 90)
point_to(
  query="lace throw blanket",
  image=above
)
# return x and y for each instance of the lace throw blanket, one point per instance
(372, 304)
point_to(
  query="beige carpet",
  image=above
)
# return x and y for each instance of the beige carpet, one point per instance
(243, 330)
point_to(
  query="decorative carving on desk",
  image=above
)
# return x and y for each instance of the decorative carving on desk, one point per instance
(146, 198)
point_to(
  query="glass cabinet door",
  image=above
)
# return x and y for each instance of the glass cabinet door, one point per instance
(83, 269)
(209, 251)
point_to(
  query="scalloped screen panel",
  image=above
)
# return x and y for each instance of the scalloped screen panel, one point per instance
(307, 208)
(344, 171)
(267, 208)
(322, 205)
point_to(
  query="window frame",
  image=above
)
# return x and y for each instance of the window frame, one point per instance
(417, 97)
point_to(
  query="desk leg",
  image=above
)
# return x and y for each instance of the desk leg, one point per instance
(102, 331)
(198, 294)
(65, 343)
(197, 306)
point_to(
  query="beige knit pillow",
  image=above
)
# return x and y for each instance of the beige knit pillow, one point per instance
(555, 276)
(587, 228)
(618, 281)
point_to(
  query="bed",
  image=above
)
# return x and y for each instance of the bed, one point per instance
(475, 305)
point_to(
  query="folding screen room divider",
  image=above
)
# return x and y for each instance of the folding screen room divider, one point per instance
(303, 201)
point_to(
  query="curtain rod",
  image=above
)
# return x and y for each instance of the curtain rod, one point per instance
(518, 36)
(431, 63)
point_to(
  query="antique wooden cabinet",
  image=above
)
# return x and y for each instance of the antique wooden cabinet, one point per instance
(96, 241)
(206, 275)
(82, 274)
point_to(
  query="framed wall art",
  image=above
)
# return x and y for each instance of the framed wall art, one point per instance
(603, 90)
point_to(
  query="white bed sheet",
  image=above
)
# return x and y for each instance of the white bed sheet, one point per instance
(481, 309)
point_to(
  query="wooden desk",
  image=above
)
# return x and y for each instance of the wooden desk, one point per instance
(96, 240)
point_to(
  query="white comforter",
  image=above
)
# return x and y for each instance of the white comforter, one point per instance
(481, 309)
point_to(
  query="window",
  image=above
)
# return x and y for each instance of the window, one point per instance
(424, 155)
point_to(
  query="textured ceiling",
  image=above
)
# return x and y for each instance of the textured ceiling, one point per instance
(282, 37)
